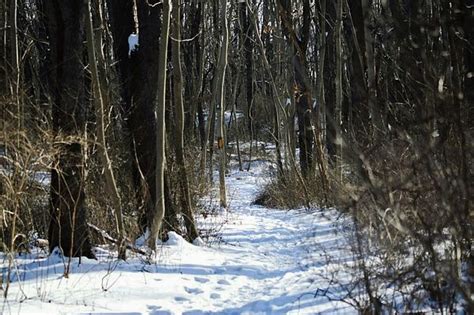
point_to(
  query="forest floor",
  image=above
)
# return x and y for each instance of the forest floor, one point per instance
(257, 261)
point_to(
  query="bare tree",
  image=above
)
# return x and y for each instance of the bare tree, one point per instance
(68, 229)
(101, 101)
(155, 224)
(301, 87)
(15, 63)
(338, 85)
(375, 113)
(219, 99)
(179, 123)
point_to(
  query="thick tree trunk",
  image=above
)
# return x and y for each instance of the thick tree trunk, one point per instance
(121, 26)
(138, 72)
(68, 229)
(142, 114)
(171, 222)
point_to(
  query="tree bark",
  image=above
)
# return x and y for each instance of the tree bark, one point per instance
(155, 224)
(121, 26)
(359, 109)
(301, 87)
(329, 82)
(15, 66)
(179, 120)
(220, 100)
(247, 51)
(138, 71)
(375, 113)
(142, 119)
(338, 84)
(276, 99)
(194, 62)
(68, 228)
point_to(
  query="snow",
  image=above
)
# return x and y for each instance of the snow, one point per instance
(132, 43)
(228, 115)
(238, 116)
(264, 261)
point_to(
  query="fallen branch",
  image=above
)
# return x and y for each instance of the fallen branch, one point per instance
(109, 238)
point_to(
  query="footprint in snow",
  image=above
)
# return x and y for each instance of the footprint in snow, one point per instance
(201, 280)
(180, 299)
(215, 296)
(223, 282)
(193, 290)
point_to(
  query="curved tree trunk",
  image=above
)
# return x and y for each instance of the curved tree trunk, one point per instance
(101, 102)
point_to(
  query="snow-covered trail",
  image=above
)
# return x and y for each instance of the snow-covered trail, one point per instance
(279, 255)
(268, 262)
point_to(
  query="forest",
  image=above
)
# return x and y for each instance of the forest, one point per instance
(251, 156)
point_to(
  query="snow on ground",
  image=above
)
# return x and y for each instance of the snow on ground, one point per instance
(266, 262)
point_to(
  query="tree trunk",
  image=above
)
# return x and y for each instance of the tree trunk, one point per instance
(359, 109)
(247, 51)
(68, 229)
(329, 80)
(220, 100)
(194, 62)
(155, 223)
(301, 87)
(122, 24)
(276, 99)
(15, 66)
(338, 84)
(138, 71)
(101, 101)
(236, 122)
(171, 222)
(142, 119)
(376, 117)
(321, 66)
(179, 119)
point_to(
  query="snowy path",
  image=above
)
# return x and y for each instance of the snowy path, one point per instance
(269, 262)
(275, 252)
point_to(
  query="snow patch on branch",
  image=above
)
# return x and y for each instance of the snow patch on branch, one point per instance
(132, 43)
